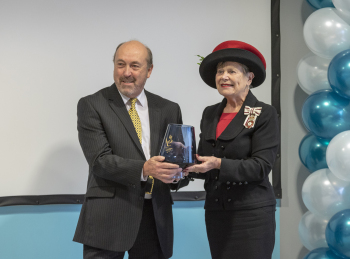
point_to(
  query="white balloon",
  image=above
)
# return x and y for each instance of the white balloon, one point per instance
(324, 194)
(326, 34)
(343, 8)
(312, 231)
(338, 155)
(312, 73)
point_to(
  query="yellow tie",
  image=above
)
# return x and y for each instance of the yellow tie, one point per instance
(137, 124)
(135, 119)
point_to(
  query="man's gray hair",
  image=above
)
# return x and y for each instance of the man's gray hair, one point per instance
(149, 58)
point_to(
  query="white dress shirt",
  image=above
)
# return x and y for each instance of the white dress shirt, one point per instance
(141, 106)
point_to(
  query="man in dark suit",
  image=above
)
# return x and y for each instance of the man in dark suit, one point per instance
(128, 203)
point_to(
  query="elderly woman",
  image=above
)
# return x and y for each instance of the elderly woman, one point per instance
(238, 145)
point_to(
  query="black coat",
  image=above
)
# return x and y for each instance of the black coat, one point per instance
(111, 214)
(247, 157)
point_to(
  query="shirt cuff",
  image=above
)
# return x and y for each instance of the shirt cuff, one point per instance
(143, 179)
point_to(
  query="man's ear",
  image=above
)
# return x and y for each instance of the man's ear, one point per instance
(149, 72)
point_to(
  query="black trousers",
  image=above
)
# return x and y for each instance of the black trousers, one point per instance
(146, 245)
(241, 234)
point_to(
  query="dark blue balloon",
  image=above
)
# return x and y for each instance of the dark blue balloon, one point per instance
(325, 114)
(339, 73)
(321, 253)
(338, 233)
(320, 3)
(312, 152)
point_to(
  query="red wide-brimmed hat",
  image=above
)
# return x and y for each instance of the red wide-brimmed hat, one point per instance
(236, 51)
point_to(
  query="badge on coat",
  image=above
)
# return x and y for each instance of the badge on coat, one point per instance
(252, 113)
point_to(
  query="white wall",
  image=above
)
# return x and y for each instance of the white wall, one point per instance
(55, 52)
(293, 48)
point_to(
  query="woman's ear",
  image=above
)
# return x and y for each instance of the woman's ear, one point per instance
(250, 77)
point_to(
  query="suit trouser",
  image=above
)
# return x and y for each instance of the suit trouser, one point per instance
(146, 245)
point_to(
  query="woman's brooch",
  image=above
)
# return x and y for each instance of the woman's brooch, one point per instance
(252, 113)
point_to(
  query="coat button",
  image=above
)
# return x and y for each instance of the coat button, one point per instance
(228, 188)
(212, 155)
(134, 186)
(229, 200)
(216, 200)
(233, 183)
(245, 182)
(239, 183)
(216, 187)
(228, 183)
(222, 147)
(216, 177)
(213, 144)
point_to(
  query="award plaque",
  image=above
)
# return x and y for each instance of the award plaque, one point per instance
(179, 146)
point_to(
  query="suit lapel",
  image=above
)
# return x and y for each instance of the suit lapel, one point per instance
(211, 133)
(118, 106)
(154, 122)
(236, 125)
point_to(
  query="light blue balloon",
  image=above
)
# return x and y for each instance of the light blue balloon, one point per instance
(320, 3)
(325, 114)
(321, 253)
(339, 73)
(312, 152)
(338, 233)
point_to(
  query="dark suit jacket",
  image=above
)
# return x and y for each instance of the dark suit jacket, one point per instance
(247, 156)
(111, 214)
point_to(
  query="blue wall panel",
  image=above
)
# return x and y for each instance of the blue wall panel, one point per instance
(46, 232)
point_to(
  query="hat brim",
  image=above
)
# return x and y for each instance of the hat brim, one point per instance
(208, 67)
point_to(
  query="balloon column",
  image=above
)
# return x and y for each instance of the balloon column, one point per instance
(324, 74)
(320, 3)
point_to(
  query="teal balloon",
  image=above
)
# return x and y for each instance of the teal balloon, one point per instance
(325, 114)
(339, 73)
(321, 253)
(320, 3)
(312, 152)
(338, 234)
